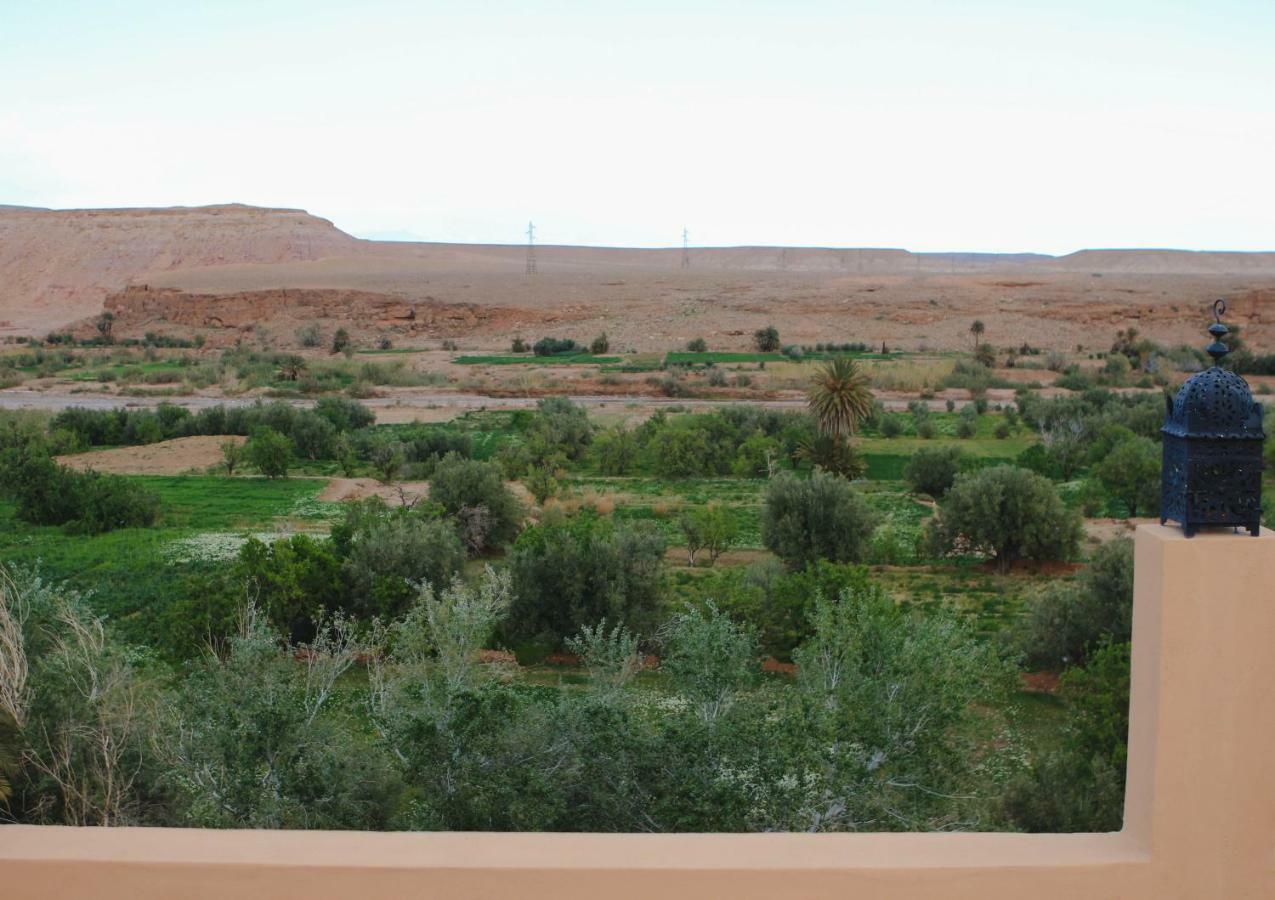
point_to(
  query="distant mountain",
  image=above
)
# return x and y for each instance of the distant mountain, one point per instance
(57, 266)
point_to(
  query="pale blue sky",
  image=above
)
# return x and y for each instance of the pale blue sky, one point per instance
(977, 125)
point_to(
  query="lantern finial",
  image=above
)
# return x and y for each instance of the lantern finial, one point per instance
(1217, 349)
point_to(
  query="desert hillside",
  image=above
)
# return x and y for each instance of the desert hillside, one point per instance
(228, 269)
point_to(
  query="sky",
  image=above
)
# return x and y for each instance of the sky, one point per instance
(934, 126)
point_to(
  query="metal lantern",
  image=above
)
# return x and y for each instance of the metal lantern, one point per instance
(1212, 473)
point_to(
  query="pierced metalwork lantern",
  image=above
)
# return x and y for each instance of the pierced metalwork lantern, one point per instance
(1212, 472)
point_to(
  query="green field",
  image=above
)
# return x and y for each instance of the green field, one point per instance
(562, 359)
(135, 575)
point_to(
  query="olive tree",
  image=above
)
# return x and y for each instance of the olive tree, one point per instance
(931, 470)
(1008, 514)
(270, 452)
(821, 517)
(1131, 473)
(487, 512)
(571, 574)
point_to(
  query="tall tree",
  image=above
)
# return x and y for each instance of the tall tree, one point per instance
(976, 331)
(839, 397)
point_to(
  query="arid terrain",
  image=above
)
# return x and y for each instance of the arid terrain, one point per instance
(227, 271)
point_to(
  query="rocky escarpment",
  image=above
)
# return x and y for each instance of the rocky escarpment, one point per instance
(140, 307)
(59, 265)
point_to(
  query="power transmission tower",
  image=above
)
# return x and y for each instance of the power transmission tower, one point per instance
(686, 253)
(531, 249)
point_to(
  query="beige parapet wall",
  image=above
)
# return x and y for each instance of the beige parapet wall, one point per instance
(1199, 820)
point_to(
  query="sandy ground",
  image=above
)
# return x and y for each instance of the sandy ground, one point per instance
(1104, 530)
(345, 489)
(173, 457)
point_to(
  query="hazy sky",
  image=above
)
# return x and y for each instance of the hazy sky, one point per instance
(964, 125)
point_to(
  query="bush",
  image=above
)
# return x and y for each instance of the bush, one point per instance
(341, 341)
(600, 345)
(820, 518)
(711, 528)
(309, 335)
(1066, 622)
(518, 345)
(1008, 514)
(891, 426)
(574, 574)
(487, 513)
(1080, 786)
(931, 470)
(390, 553)
(697, 345)
(48, 493)
(107, 502)
(551, 346)
(294, 581)
(270, 453)
(766, 340)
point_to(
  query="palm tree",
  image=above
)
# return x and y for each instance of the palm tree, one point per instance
(976, 330)
(839, 397)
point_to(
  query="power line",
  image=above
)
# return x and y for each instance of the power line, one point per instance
(531, 249)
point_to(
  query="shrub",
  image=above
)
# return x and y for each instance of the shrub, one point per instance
(891, 426)
(697, 345)
(573, 574)
(310, 335)
(391, 553)
(233, 454)
(295, 581)
(766, 340)
(1067, 621)
(518, 345)
(344, 414)
(1006, 513)
(341, 341)
(48, 493)
(931, 470)
(1002, 430)
(487, 513)
(711, 659)
(107, 502)
(600, 344)
(560, 426)
(711, 528)
(616, 450)
(904, 690)
(818, 518)
(1080, 786)
(551, 346)
(270, 452)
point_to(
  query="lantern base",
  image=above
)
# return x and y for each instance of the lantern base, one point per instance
(1190, 529)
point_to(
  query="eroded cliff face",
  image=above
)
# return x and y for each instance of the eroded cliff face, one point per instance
(59, 265)
(139, 308)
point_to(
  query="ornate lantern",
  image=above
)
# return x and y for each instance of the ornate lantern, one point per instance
(1212, 473)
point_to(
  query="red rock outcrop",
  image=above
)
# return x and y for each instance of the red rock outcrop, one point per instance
(140, 307)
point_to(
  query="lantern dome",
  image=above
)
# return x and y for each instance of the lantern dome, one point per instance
(1215, 403)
